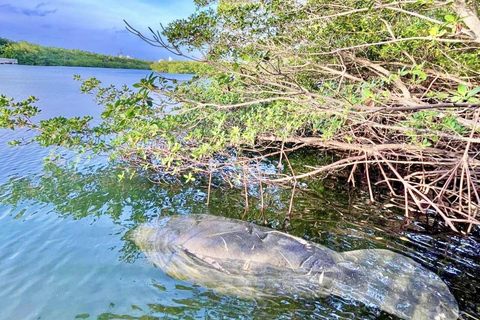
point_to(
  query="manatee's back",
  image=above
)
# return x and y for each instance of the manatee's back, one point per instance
(228, 240)
(396, 284)
(235, 256)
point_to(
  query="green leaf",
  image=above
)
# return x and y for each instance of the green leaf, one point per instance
(121, 176)
(449, 18)
(462, 89)
(189, 177)
(455, 98)
(14, 143)
(426, 143)
(130, 113)
(473, 92)
(433, 32)
(442, 95)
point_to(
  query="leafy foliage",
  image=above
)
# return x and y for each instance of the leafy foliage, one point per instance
(179, 67)
(391, 85)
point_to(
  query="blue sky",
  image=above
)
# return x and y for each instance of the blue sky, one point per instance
(90, 25)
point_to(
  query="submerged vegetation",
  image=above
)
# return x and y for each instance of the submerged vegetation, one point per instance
(37, 55)
(390, 90)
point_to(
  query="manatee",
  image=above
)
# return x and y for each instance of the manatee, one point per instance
(239, 258)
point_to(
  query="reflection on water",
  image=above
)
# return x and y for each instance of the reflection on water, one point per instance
(82, 219)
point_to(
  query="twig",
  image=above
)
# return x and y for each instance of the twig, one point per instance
(209, 187)
(370, 191)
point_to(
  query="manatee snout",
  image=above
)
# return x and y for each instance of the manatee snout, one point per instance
(144, 237)
(155, 235)
(150, 236)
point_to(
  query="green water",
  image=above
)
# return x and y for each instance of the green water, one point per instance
(65, 251)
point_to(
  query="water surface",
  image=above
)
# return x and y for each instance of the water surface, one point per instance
(65, 251)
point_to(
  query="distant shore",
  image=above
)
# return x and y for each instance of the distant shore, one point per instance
(33, 54)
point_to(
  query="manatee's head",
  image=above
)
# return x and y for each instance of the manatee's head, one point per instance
(151, 235)
(162, 242)
(164, 233)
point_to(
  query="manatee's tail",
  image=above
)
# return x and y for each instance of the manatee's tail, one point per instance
(395, 284)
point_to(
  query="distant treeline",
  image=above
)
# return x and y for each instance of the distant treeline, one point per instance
(34, 54)
(191, 67)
